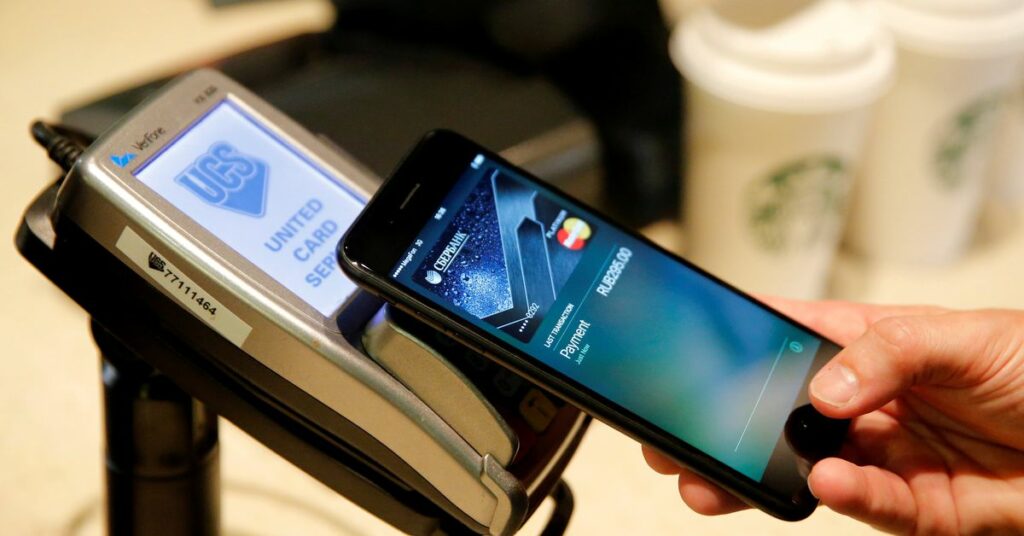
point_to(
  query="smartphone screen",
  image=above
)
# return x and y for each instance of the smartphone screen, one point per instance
(629, 324)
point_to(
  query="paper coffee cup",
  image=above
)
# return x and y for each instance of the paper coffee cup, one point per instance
(779, 95)
(675, 11)
(919, 191)
(1007, 172)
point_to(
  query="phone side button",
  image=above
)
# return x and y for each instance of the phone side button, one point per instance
(412, 312)
(455, 336)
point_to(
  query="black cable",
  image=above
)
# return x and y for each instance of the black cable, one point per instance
(564, 505)
(61, 148)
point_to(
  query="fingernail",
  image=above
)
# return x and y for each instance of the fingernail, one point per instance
(835, 385)
(811, 488)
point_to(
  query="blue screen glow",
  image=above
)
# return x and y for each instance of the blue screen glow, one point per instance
(629, 322)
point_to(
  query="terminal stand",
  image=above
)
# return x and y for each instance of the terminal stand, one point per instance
(162, 400)
(162, 456)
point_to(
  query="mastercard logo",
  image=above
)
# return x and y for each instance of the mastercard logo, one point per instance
(574, 233)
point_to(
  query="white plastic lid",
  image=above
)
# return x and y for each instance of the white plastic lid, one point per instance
(805, 57)
(955, 28)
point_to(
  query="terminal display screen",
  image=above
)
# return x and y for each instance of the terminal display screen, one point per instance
(261, 196)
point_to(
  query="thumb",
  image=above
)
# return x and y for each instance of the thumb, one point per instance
(897, 353)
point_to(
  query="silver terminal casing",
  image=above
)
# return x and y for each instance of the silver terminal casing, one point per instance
(440, 385)
(287, 336)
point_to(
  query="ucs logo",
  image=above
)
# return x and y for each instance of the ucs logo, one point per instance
(225, 178)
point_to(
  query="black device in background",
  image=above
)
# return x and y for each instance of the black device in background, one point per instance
(632, 334)
(581, 92)
(609, 57)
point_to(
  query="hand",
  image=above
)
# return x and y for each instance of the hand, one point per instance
(936, 445)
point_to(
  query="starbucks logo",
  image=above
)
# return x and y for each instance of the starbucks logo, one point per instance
(961, 138)
(799, 205)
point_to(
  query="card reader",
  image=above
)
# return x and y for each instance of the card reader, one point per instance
(230, 213)
(463, 387)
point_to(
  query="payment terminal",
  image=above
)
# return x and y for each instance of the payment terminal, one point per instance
(207, 215)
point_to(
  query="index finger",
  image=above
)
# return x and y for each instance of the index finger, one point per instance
(842, 321)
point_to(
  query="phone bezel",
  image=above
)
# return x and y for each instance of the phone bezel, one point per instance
(401, 208)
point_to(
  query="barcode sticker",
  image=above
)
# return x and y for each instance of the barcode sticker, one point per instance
(182, 288)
